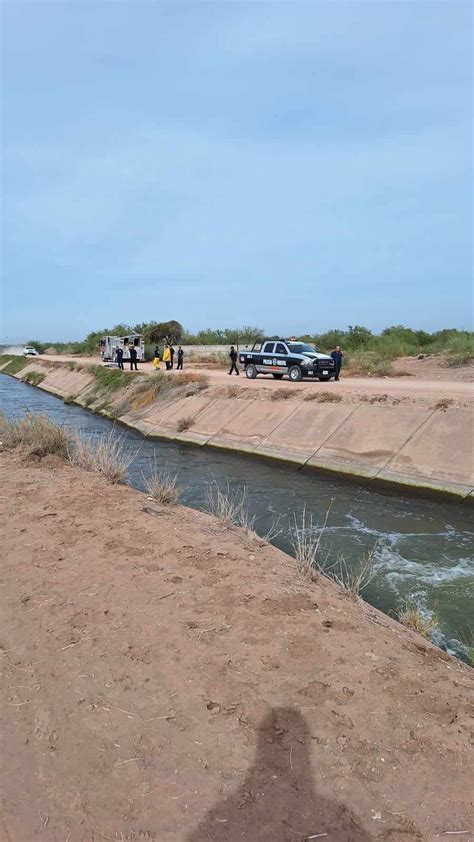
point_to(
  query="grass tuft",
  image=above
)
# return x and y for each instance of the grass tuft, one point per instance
(226, 505)
(184, 423)
(106, 455)
(411, 617)
(162, 486)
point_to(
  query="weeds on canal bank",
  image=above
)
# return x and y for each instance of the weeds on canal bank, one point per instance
(34, 378)
(306, 538)
(411, 617)
(14, 364)
(35, 434)
(107, 455)
(161, 486)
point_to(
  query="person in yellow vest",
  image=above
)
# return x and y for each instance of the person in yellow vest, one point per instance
(167, 357)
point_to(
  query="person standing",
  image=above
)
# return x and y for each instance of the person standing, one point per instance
(337, 357)
(171, 356)
(157, 352)
(119, 357)
(179, 367)
(233, 360)
(167, 357)
(133, 358)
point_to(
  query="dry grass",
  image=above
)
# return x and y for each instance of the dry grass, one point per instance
(305, 540)
(443, 404)
(324, 397)
(252, 540)
(233, 392)
(281, 394)
(351, 578)
(215, 360)
(107, 455)
(35, 434)
(226, 505)
(184, 423)
(161, 486)
(411, 617)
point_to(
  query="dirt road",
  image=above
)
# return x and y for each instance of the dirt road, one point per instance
(162, 680)
(444, 382)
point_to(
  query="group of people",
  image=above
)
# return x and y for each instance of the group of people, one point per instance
(168, 357)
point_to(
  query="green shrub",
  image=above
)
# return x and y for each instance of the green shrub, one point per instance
(34, 378)
(108, 379)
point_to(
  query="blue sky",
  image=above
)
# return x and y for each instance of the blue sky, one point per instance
(298, 165)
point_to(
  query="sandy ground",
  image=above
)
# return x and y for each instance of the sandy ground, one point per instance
(164, 681)
(429, 378)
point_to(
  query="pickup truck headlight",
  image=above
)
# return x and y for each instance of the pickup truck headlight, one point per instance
(308, 363)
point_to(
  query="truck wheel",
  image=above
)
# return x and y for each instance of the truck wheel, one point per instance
(295, 373)
(251, 371)
(278, 376)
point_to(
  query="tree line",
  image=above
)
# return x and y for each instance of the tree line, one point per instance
(392, 342)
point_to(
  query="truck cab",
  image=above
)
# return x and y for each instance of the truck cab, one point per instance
(280, 357)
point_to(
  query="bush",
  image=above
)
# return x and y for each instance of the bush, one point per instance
(184, 424)
(35, 434)
(34, 378)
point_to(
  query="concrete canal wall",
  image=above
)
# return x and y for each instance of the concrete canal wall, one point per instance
(429, 448)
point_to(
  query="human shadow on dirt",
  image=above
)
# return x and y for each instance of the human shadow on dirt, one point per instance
(278, 800)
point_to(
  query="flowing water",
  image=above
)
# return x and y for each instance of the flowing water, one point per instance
(423, 549)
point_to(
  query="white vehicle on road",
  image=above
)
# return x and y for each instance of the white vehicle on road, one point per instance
(29, 351)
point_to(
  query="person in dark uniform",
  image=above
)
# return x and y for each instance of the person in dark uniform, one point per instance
(119, 357)
(337, 357)
(233, 360)
(157, 352)
(180, 358)
(133, 358)
(171, 356)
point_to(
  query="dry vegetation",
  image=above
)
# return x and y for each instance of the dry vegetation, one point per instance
(306, 539)
(107, 455)
(184, 423)
(281, 394)
(323, 397)
(35, 435)
(411, 617)
(161, 486)
(34, 378)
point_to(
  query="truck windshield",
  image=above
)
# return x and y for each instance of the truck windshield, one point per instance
(301, 348)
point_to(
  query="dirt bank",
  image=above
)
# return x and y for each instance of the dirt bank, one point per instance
(162, 681)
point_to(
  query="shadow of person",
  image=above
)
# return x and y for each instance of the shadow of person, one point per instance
(277, 801)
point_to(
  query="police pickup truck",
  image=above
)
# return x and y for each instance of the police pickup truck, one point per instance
(281, 356)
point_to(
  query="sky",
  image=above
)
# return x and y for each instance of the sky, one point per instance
(294, 165)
